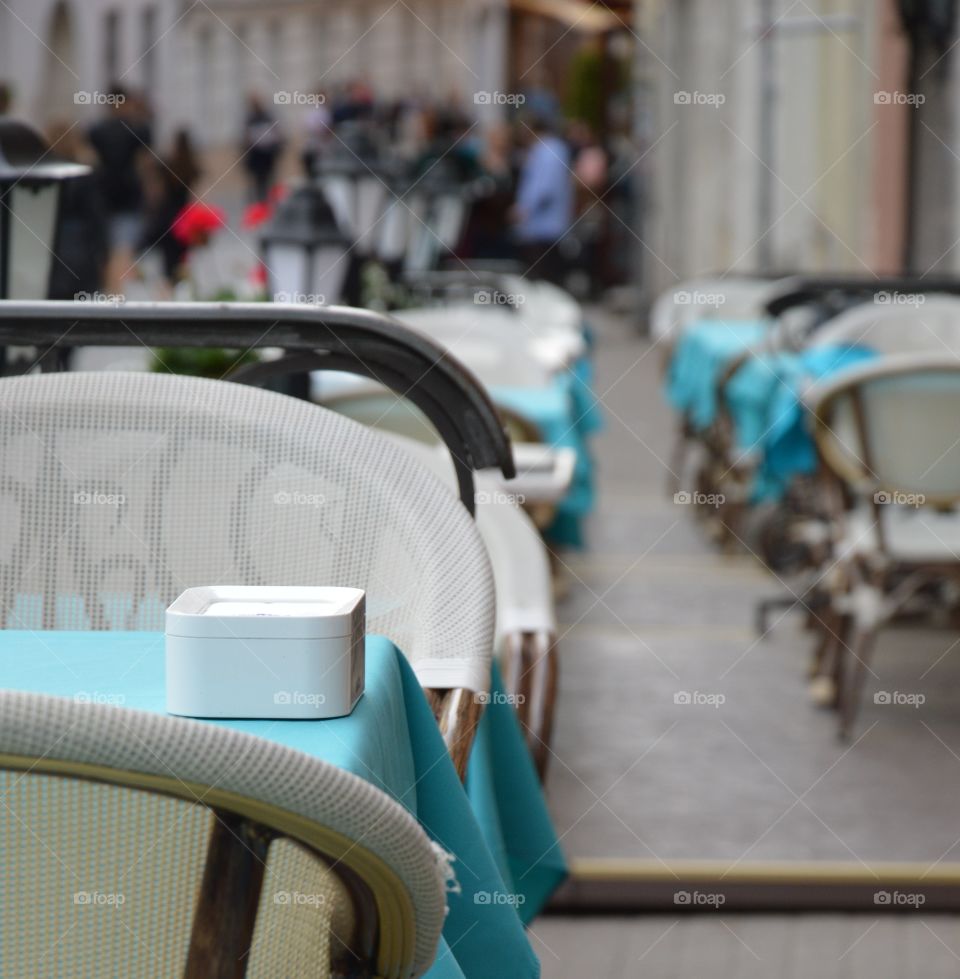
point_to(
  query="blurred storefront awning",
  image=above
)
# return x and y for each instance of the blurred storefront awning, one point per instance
(590, 18)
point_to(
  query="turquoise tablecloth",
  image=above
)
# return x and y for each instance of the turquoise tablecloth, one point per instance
(702, 353)
(764, 396)
(567, 412)
(499, 834)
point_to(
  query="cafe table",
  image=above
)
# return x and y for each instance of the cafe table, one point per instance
(506, 857)
(567, 413)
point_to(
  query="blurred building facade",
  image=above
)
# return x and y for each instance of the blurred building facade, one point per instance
(197, 61)
(800, 136)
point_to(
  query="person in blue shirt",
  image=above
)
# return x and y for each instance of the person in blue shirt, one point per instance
(543, 211)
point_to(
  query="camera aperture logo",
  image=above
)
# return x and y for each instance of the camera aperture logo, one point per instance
(686, 498)
(297, 899)
(699, 899)
(298, 698)
(100, 697)
(299, 98)
(712, 99)
(499, 697)
(303, 298)
(885, 298)
(698, 698)
(297, 498)
(896, 498)
(99, 899)
(913, 99)
(684, 297)
(899, 899)
(499, 98)
(94, 498)
(99, 98)
(494, 297)
(899, 698)
(499, 897)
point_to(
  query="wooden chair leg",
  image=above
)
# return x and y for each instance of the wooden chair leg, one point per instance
(829, 659)
(458, 713)
(544, 682)
(529, 667)
(851, 692)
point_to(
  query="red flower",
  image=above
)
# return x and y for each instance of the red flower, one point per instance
(256, 214)
(258, 275)
(196, 222)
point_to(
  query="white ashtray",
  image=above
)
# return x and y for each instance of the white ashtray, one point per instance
(250, 651)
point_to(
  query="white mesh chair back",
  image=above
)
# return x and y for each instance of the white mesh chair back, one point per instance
(890, 427)
(115, 822)
(929, 324)
(118, 491)
(521, 567)
(731, 298)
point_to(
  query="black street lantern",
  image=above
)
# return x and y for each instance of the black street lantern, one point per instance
(30, 180)
(357, 185)
(438, 209)
(304, 250)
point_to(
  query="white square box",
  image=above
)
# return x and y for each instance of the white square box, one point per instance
(251, 651)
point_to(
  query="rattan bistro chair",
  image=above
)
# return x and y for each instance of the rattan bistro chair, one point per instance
(887, 436)
(118, 491)
(142, 845)
(526, 628)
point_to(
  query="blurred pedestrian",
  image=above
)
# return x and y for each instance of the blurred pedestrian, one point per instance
(488, 231)
(83, 233)
(170, 187)
(543, 211)
(591, 168)
(262, 145)
(317, 132)
(120, 141)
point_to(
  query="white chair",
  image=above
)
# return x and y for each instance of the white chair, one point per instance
(142, 845)
(118, 491)
(931, 324)
(730, 297)
(887, 434)
(526, 621)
